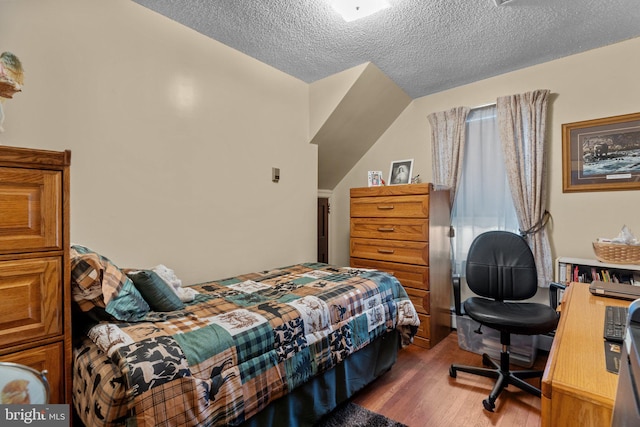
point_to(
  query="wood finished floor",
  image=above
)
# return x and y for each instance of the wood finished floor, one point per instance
(419, 392)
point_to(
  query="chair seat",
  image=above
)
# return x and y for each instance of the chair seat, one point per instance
(514, 318)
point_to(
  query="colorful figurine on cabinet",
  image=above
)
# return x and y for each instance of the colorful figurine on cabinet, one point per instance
(11, 80)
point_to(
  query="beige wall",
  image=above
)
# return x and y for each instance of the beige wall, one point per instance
(173, 137)
(325, 96)
(598, 83)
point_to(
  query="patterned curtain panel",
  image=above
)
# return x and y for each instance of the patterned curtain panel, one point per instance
(448, 133)
(521, 121)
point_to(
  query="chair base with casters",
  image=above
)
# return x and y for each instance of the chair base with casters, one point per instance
(501, 372)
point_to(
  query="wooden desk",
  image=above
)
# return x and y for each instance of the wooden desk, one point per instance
(577, 389)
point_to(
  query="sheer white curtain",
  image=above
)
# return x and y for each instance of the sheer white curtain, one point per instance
(483, 201)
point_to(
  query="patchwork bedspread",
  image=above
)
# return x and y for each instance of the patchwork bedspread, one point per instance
(244, 342)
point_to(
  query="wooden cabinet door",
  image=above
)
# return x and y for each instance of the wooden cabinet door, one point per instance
(31, 205)
(30, 299)
(49, 358)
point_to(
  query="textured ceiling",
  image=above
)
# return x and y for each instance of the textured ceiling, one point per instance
(424, 46)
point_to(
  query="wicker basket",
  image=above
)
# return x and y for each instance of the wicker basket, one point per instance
(616, 253)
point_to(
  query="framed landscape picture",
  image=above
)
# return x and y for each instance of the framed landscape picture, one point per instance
(601, 154)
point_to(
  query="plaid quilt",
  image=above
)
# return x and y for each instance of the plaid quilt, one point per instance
(243, 342)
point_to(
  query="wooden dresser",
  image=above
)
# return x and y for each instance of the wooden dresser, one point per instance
(404, 230)
(35, 301)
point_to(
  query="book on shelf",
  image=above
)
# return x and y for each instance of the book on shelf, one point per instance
(589, 270)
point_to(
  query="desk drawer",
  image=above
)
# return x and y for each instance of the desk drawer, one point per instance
(390, 207)
(391, 228)
(31, 303)
(391, 250)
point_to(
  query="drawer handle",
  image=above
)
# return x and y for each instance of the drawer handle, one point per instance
(385, 207)
(386, 251)
(386, 229)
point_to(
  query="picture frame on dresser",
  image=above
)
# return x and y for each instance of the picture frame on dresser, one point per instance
(400, 172)
(374, 178)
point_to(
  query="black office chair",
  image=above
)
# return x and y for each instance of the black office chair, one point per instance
(501, 270)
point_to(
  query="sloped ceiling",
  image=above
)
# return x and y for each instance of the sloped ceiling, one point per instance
(365, 112)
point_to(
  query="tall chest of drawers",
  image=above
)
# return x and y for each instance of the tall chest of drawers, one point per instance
(404, 230)
(35, 301)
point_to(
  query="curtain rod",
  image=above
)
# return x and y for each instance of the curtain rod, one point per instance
(491, 104)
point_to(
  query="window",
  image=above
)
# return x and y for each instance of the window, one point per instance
(483, 200)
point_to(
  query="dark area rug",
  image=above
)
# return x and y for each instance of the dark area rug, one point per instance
(352, 415)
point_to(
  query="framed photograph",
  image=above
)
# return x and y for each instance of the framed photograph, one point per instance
(601, 154)
(400, 172)
(375, 179)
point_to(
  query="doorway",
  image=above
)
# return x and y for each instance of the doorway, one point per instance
(323, 229)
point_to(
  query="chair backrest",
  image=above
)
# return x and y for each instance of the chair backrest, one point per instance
(21, 385)
(500, 265)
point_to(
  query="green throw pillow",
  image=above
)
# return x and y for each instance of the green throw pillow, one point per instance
(155, 291)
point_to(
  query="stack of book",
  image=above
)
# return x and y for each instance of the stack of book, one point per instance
(585, 270)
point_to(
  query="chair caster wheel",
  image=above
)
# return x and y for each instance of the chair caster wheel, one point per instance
(452, 372)
(488, 405)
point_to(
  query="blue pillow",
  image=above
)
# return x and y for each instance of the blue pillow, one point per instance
(156, 292)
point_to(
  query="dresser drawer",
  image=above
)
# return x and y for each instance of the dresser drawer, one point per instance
(390, 207)
(391, 250)
(31, 302)
(422, 342)
(391, 228)
(424, 330)
(31, 203)
(418, 298)
(410, 276)
(49, 358)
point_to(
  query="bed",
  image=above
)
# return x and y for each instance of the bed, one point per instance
(277, 347)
